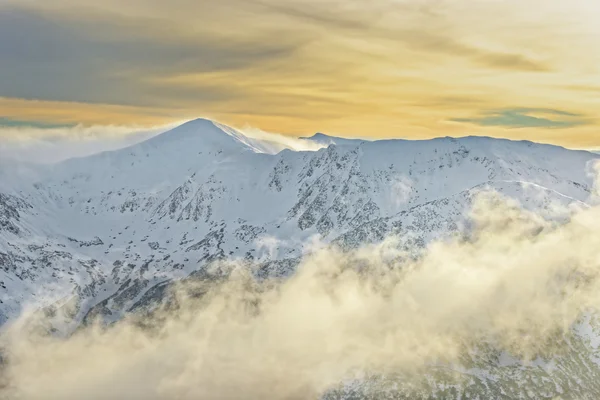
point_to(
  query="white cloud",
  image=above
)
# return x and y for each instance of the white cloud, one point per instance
(48, 145)
(516, 285)
(401, 188)
(276, 142)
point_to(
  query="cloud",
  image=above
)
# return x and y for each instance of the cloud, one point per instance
(56, 113)
(355, 68)
(514, 283)
(48, 143)
(352, 18)
(277, 142)
(421, 40)
(12, 123)
(591, 89)
(401, 187)
(105, 55)
(37, 143)
(107, 58)
(525, 118)
(511, 61)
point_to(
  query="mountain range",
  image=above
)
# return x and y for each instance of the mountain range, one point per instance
(107, 233)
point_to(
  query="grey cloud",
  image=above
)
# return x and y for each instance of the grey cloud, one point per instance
(43, 143)
(325, 14)
(521, 118)
(13, 123)
(106, 59)
(422, 40)
(591, 89)
(336, 15)
(76, 53)
(510, 61)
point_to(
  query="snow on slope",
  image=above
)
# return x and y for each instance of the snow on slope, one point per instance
(106, 234)
(107, 228)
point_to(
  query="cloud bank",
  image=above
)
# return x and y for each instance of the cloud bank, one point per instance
(50, 145)
(513, 282)
(41, 144)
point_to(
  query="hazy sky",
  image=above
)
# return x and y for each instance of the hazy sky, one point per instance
(525, 69)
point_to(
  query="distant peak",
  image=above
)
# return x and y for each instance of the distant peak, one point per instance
(324, 139)
(202, 133)
(197, 121)
(321, 138)
(191, 128)
(319, 135)
(205, 133)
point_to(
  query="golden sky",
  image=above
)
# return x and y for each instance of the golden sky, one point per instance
(521, 69)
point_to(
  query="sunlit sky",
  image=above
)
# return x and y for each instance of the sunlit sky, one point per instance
(520, 69)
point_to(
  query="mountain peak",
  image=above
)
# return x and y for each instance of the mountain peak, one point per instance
(192, 128)
(198, 122)
(319, 136)
(202, 132)
(322, 138)
(199, 129)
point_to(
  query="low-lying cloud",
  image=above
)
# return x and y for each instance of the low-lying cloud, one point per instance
(514, 281)
(274, 142)
(49, 145)
(54, 144)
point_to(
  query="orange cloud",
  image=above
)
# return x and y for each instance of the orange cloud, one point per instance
(385, 68)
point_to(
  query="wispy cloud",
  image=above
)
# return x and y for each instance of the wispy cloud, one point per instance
(527, 118)
(42, 144)
(108, 58)
(14, 123)
(276, 142)
(299, 66)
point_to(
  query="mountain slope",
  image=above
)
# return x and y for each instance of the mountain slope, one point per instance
(103, 235)
(126, 220)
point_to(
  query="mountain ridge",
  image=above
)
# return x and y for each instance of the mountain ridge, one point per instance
(191, 129)
(201, 176)
(106, 235)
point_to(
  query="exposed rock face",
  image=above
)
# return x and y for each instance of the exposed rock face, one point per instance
(114, 230)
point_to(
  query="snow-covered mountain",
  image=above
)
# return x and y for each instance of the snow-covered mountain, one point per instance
(106, 233)
(110, 227)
